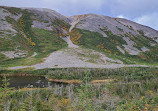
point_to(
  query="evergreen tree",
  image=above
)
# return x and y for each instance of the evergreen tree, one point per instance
(28, 102)
(85, 94)
(5, 93)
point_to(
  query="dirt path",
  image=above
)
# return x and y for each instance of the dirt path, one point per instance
(69, 65)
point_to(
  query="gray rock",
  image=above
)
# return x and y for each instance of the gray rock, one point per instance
(14, 54)
(117, 26)
(43, 19)
(130, 47)
(5, 27)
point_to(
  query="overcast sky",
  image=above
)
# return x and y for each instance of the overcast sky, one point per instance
(142, 11)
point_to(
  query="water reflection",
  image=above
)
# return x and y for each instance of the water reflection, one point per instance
(28, 81)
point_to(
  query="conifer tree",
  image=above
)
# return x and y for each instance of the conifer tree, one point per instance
(5, 93)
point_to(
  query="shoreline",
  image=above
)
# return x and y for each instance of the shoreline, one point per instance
(64, 81)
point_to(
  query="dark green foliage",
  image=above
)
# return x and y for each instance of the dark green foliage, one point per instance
(111, 36)
(147, 102)
(93, 40)
(5, 93)
(6, 44)
(25, 23)
(41, 41)
(119, 29)
(85, 92)
(2, 56)
(152, 55)
(141, 32)
(141, 42)
(131, 28)
(47, 40)
(13, 10)
(78, 73)
(60, 23)
(108, 45)
(23, 27)
(12, 21)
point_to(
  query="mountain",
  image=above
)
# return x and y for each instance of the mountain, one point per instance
(44, 38)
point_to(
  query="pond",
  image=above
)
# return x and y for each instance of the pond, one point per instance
(29, 81)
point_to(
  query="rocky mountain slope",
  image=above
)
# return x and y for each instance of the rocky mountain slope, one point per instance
(27, 35)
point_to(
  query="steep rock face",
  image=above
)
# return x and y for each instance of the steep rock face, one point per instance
(140, 29)
(5, 27)
(117, 26)
(19, 31)
(43, 18)
(46, 14)
(129, 31)
(44, 31)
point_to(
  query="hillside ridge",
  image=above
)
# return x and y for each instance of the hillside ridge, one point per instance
(28, 31)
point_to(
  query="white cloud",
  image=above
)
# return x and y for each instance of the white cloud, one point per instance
(133, 8)
(74, 6)
(66, 7)
(122, 16)
(71, 3)
(149, 20)
(141, 11)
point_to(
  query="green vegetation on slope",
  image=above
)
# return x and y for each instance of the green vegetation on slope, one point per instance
(6, 44)
(41, 41)
(108, 46)
(46, 43)
(96, 41)
(13, 10)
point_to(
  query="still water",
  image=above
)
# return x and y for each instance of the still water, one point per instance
(28, 81)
